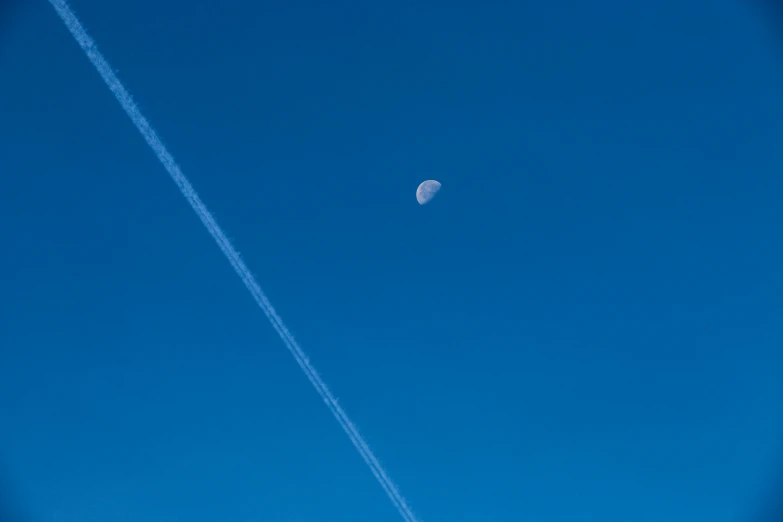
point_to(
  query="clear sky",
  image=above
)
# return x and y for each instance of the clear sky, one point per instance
(585, 324)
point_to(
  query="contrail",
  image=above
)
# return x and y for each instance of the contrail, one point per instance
(126, 101)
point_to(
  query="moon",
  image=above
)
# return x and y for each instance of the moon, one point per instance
(427, 191)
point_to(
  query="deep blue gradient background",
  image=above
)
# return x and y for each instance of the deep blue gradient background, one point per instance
(585, 324)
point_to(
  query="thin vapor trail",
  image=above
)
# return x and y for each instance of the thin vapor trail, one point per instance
(150, 136)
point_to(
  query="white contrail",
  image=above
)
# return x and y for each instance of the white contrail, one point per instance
(104, 69)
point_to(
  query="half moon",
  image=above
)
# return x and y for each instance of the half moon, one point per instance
(427, 191)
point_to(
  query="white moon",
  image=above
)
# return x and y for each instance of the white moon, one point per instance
(427, 191)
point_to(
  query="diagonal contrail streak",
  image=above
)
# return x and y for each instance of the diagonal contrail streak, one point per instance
(126, 101)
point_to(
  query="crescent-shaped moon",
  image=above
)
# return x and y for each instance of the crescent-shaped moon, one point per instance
(427, 191)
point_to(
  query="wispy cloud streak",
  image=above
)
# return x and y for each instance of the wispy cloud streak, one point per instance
(126, 101)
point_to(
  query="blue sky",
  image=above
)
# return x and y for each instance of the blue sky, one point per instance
(585, 324)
